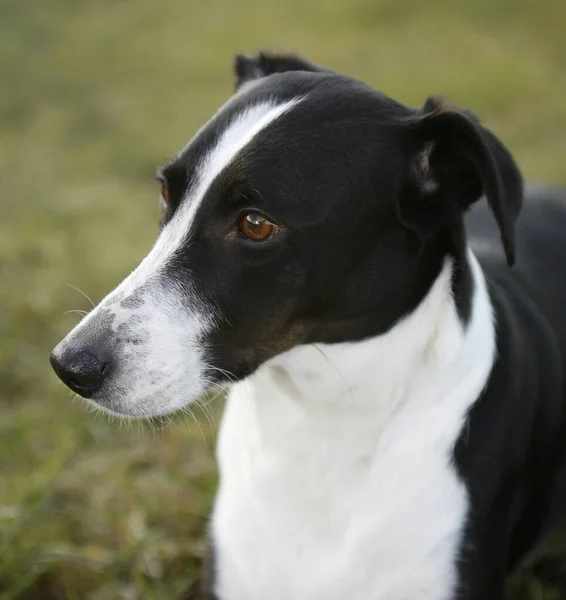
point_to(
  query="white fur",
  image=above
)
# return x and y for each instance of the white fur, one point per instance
(160, 367)
(337, 481)
(239, 133)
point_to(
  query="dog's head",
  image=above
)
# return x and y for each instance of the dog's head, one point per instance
(310, 208)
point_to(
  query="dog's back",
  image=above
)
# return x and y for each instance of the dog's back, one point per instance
(531, 323)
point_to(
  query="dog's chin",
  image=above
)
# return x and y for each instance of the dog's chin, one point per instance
(132, 408)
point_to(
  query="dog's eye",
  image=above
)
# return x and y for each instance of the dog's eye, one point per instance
(165, 193)
(256, 227)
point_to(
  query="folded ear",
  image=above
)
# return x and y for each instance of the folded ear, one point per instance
(248, 68)
(458, 161)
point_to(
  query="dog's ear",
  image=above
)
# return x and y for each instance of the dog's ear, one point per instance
(248, 68)
(457, 162)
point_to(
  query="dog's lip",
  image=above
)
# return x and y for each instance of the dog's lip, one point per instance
(81, 390)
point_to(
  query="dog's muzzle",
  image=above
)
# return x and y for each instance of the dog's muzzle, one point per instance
(139, 353)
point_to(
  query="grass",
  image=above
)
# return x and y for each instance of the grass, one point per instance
(95, 94)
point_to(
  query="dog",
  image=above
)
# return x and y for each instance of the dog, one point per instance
(396, 419)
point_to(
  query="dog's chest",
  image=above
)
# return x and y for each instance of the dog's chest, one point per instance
(325, 510)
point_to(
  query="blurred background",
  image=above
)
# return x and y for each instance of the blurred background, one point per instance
(94, 94)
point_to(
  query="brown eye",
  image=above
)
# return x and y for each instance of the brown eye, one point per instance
(256, 227)
(165, 193)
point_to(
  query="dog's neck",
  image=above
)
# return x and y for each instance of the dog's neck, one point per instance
(426, 357)
(353, 442)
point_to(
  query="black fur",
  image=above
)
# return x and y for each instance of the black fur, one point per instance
(365, 185)
(512, 452)
(371, 198)
(249, 68)
(512, 449)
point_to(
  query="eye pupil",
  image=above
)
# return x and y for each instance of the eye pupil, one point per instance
(256, 227)
(165, 192)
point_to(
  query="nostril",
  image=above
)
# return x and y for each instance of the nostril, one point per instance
(81, 370)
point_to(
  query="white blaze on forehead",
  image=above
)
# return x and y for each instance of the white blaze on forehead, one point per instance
(239, 133)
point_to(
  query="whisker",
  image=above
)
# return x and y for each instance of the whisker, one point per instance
(83, 313)
(83, 293)
(208, 417)
(227, 374)
(188, 411)
(208, 413)
(336, 371)
(165, 421)
(152, 428)
(257, 192)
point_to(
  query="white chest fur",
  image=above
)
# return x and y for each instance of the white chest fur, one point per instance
(337, 480)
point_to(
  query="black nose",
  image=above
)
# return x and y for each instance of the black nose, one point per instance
(81, 370)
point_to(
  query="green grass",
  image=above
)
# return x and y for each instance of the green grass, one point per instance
(94, 94)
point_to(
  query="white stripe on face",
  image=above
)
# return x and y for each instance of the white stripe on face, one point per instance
(235, 138)
(163, 369)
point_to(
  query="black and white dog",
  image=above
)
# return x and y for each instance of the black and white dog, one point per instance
(396, 423)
